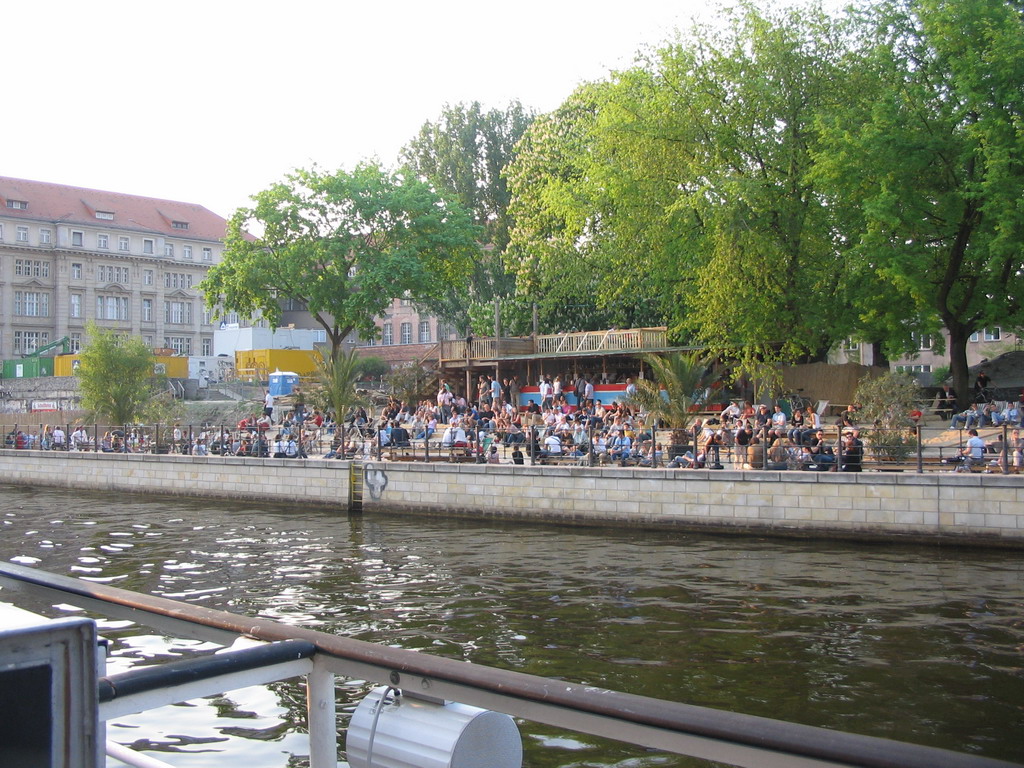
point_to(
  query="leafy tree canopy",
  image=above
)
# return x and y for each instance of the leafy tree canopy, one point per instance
(464, 154)
(930, 155)
(115, 376)
(342, 245)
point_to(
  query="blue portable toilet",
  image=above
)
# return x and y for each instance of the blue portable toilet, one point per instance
(283, 382)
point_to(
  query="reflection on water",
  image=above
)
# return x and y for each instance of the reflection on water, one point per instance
(919, 644)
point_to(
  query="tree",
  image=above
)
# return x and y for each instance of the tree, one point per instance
(679, 192)
(887, 402)
(931, 156)
(337, 377)
(115, 376)
(682, 384)
(342, 246)
(561, 244)
(464, 155)
(711, 141)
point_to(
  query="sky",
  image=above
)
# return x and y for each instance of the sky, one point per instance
(210, 102)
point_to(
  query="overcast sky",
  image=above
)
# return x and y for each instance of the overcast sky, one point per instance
(209, 102)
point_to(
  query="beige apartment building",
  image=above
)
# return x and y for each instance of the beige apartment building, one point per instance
(131, 264)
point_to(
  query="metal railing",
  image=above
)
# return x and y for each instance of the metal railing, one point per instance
(709, 734)
(782, 448)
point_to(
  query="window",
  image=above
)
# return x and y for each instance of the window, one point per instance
(424, 331)
(186, 251)
(913, 369)
(178, 312)
(387, 337)
(147, 310)
(207, 347)
(18, 205)
(77, 239)
(107, 273)
(111, 307)
(177, 280)
(993, 334)
(124, 243)
(207, 316)
(148, 341)
(179, 224)
(76, 271)
(44, 237)
(406, 333)
(1, 232)
(31, 268)
(22, 234)
(75, 345)
(103, 242)
(207, 254)
(169, 250)
(26, 342)
(31, 304)
(404, 302)
(147, 277)
(922, 340)
(320, 336)
(182, 345)
(75, 304)
(107, 215)
(147, 246)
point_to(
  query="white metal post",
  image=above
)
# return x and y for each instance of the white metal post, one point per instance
(320, 707)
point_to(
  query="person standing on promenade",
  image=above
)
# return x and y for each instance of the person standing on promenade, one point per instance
(268, 404)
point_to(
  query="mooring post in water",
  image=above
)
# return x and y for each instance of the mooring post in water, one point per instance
(355, 486)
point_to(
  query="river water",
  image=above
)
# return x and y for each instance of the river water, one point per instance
(919, 644)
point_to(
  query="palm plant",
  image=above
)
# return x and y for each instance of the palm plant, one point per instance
(337, 378)
(682, 385)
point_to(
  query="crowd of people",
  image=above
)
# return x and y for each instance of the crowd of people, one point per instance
(566, 424)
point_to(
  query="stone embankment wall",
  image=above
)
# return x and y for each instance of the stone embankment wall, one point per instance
(933, 507)
(929, 507)
(302, 482)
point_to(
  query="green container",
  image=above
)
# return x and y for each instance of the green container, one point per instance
(28, 368)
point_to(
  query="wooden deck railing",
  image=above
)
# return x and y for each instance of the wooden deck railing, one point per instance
(553, 345)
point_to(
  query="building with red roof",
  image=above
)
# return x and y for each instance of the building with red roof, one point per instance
(131, 264)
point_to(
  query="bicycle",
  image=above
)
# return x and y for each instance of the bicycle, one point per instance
(797, 402)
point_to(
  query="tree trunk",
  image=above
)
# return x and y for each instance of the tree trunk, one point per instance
(958, 336)
(878, 356)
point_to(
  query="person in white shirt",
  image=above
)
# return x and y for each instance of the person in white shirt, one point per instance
(974, 451)
(545, 393)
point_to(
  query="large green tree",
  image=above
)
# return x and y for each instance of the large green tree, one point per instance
(464, 154)
(342, 246)
(563, 243)
(679, 191)
(115, 376)
(714, 138)
(931, 155)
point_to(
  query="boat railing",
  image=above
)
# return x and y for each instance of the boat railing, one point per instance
(710, 734)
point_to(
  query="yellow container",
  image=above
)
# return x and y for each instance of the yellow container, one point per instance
(64, 365)
(171, 367)
(258, 364)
